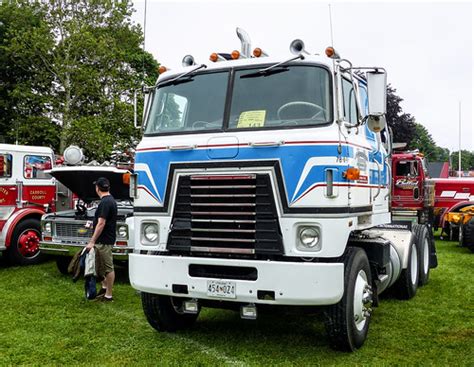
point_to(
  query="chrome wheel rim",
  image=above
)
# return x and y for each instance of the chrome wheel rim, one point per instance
(414, 265)
(362, 300)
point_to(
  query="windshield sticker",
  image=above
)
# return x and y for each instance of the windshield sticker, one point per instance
(252, 119)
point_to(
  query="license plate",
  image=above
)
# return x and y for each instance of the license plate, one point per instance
(216, 288)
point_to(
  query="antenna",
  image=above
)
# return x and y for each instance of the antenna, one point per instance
(330, 25)
(144, 41)
(459, 157)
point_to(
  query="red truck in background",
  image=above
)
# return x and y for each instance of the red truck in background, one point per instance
(422, 199)
(26, 193)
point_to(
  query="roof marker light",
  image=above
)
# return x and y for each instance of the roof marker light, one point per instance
(258, 52)
(162, 69)
(235, 55)
(331, 53)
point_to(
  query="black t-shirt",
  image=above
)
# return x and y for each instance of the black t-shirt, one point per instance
(107, 209)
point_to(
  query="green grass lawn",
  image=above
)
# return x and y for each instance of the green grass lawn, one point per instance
(45, 320)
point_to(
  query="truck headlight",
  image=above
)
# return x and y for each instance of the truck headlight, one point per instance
(150, 232)
(309, 238)
(47, 227)
(122, 231)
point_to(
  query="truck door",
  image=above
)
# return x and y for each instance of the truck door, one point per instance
(8, 188)
(408, 190)
(38, 187)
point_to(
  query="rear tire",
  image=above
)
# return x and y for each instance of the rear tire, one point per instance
(406, 285)
(422, 239)
(24, 246)
(62, 264)
(347, 322)
(164, 313)
(468, 235)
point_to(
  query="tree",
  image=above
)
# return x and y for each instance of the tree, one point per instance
(423, 141)
(90, 50)
(467, 160)
(23, 87)
(402, 124)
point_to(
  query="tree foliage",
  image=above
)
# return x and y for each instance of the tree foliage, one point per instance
(467, 160)
(402, 124)
(88, 57)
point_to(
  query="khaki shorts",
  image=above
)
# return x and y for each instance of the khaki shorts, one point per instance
(106, 256)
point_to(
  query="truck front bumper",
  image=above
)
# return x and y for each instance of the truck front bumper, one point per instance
(293, 283)
(119, 252)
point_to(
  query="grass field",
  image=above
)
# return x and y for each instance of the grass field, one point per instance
(45, 320)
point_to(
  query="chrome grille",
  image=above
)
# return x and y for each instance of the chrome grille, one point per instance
(233, 214)
(72, 230)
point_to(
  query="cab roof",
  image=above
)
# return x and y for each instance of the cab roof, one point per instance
(10, 148)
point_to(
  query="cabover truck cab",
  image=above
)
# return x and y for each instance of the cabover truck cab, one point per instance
(264, 182)
(445, 203)
(26, 193)
(66, 232)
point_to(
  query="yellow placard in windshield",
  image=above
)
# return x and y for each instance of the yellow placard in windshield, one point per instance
(252, 119)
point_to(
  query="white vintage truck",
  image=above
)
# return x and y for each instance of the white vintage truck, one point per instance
(265, 182)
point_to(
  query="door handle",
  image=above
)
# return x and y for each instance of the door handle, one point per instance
(181, 147)
(267, 144)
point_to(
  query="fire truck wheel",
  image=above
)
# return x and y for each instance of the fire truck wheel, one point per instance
(468, 235)
(407, 284)
(165, 313)
(62, 264)
(347, 322)
(24, 247)
(422, 239)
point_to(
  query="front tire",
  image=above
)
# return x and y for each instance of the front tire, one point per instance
(164, 313)
(347, 322)
(24, 247)
(422, 239)
(407, 284)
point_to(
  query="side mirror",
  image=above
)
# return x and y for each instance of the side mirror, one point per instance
(146, 97)
(377, 96)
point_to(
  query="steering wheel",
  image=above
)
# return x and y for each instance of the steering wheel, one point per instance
(318, 109)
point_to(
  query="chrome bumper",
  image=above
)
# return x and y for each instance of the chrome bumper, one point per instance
(51, 248)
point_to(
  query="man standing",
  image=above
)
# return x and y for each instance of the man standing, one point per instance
(104, 235)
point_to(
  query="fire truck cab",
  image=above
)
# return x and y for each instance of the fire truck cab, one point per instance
(26, 193)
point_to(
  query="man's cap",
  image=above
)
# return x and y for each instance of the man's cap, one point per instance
(102, 183)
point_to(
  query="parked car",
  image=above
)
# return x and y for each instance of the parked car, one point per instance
(67, 232)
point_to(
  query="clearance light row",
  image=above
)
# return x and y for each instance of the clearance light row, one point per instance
(188, 60)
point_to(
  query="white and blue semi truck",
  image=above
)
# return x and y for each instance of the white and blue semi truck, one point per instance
(266, 182)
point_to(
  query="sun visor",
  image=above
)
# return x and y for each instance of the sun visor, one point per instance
(80, 180)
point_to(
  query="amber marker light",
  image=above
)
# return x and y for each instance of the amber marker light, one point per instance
(329, 52)
(352, 173)
(214, 57)
(257, 52)
(162, 69)
(235, 54)
(126, 178)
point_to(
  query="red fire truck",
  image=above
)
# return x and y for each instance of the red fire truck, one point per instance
(26, 193)
(428, 200)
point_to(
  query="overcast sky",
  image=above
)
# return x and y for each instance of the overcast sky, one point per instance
(426, 47)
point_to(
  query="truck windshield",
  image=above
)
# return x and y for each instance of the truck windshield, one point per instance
(283, 97)
(189, 104)
(292, 96)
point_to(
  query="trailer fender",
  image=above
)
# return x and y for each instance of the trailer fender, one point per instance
(455, 207)
(15, 219)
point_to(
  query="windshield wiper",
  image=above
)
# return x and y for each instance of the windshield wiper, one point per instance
(186, 74)
(277, 68)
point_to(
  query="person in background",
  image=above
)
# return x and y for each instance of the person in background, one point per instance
(104, 235)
